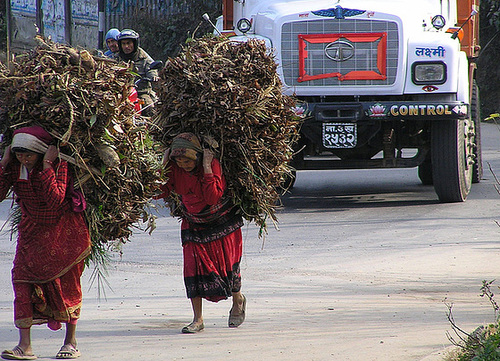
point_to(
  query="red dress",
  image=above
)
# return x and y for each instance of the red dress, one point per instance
(210, 232)
(53, 242)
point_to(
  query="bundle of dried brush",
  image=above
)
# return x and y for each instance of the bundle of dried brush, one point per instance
(82, 101)
(230, 95)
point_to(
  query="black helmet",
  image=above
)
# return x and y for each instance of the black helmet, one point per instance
(128, 34)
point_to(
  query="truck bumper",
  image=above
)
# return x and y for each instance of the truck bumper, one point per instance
(358, 111)
(344, 133)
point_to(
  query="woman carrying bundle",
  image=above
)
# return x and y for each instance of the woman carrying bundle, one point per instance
(53, 240)
(210, 229)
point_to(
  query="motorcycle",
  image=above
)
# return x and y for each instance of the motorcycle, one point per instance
(133, 97)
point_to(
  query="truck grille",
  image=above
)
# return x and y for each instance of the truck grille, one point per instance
(339, 52)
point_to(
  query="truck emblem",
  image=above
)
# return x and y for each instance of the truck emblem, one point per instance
(376, 111)
(339, 50)
(338, 12)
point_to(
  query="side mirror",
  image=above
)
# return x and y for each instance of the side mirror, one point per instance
(156, 65)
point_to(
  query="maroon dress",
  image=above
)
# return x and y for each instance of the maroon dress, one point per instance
(210, 232)
(53, 242)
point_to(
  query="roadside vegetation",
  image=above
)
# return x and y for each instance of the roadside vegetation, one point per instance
(488, 70)
(483, 343)
(163, 38)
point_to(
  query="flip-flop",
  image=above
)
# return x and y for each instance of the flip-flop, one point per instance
(68, 352)
(17, 353)
(235, 321)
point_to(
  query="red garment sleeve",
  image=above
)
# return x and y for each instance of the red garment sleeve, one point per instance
(54, 184)
(5, 183)
(213, 185)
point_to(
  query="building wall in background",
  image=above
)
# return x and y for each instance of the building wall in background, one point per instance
(24, 23)
(76, 22)
(118, 12)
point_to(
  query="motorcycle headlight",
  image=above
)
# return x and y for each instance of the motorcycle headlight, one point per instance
(429, 73)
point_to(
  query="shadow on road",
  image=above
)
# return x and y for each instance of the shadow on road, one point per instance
(330, 190)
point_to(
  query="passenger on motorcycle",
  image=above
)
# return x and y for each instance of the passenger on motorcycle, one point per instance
(129, 50)
(112, 43)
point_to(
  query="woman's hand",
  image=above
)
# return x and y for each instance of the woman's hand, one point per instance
(166, 158)
(7, 156)
(208, 156)
(50, 156)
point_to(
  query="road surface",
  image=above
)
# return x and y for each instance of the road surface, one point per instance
(361, 269)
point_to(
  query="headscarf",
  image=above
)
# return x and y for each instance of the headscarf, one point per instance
(36, 139)
(33, 139)
(185, 145)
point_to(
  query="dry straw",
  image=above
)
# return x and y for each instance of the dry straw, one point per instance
(230, 95)
(82, 101)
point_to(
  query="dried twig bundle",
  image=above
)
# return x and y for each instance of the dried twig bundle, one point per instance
(83, 102)
(230, 95)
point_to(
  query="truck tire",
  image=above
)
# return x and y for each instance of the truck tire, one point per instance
(451, 155)
(475, 113)
(425, 173)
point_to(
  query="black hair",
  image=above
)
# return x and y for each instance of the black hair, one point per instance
(16, 150)
(21, 150)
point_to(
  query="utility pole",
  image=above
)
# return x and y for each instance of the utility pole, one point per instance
(68, 21)
(8, 17)
(102, 23)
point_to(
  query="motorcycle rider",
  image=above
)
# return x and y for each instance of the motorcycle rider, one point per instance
(129, 50)
(112, 43)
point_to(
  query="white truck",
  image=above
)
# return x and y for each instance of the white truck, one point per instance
(382, 84)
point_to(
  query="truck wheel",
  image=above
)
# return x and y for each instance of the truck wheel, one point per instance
(425, 173)
(475, 113)
(451, 154)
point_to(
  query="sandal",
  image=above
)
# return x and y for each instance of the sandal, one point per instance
(17, 353)
(193, 328)
(237, 320)
(68, 352)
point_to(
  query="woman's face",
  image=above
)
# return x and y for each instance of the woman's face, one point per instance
(29, 159)
(185, 163)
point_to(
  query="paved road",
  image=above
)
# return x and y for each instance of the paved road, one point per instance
(361, 269)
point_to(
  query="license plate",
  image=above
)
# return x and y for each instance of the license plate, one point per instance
(339, 135)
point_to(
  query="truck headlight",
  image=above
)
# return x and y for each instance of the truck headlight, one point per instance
(429, 73)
